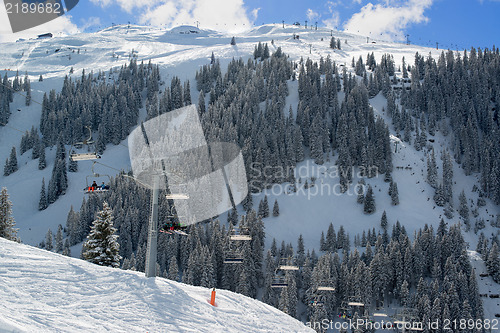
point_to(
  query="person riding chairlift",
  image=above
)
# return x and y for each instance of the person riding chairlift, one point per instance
(94, 186)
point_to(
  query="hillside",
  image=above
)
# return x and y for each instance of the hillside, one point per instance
(180, 54)
(285, 112)
(46, 292)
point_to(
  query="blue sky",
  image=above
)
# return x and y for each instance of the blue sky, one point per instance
(452, 23)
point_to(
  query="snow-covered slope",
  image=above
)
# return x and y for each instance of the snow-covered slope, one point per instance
(45, 292)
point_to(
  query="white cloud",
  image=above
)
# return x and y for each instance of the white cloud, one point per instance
(388, 21)
(59, 26)
(102, 3)
(332, 22)
(312, 15)
(229, 15)
(90, 22)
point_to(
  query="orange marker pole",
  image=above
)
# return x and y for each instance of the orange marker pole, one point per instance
(212, 299)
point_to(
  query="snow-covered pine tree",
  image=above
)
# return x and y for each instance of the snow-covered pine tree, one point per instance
(394, 193)
(463, 209)
(59, 239)
(360, 191)
(42, 163)
(276, 208)
(27, 89)
(493, 263)
(66, 249)
(101, 246)
(383, 221)
(42, 204)
(7, 223)
(72, 166)
(334, 44)
(447, 177)
(432, 175)
(265, 207)
(173, 269)
(11, 163)
(369, 202)
(48, 240)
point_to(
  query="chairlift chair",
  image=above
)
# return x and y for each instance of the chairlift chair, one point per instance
(233, 258)
(177, 196)
(89, 189)
(88, 156)
(354, 301)
(325, 286)
(279, 282)
(317, 301)
(233, 255)
(237, 235)
(286, 264)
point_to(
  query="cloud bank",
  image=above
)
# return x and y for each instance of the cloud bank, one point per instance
(226, 15)
(388, 20)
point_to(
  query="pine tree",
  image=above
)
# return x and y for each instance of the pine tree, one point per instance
(276, 208)
(360, 191)
(383, 221)
(333, 43)
(73, 166)
(101, 246)
(265, 207)
(11, 163)
(447, 177)
(41, 160)
(463, 209)
(493, 263)
(7, 223)
(233, 41)
(48, 240)
(66, 249)
(59, 239)
(369, 202)
(43, 204)
(394, 193)
(439, 197)
(173, 269)
(432, 175)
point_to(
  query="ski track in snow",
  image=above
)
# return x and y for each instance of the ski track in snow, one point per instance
(46, 292)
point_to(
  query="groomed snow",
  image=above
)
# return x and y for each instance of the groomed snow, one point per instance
(41, 291)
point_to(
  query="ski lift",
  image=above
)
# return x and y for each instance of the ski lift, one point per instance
(354, 301)
(94, 187)
(233, 255)
(240, 235)
(174, 228)
(287, 264)
(88, 156)
(279, 282)
(325, 285)
(233, 258)
(325, 288)
(317, 301)
(177, 196)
